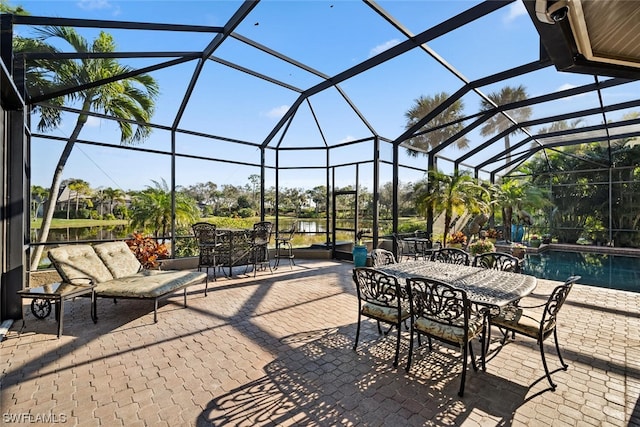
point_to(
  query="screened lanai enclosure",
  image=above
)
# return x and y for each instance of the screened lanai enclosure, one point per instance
(356, 100)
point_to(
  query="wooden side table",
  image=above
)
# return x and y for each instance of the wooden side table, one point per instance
(41, 298)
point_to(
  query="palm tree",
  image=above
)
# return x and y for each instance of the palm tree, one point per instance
(114, 195)
(423, 106)
(451, 194)
(499, 122)
(80, 187)
(514, 196)
(151, 208)
(38, 197)
(131, 98)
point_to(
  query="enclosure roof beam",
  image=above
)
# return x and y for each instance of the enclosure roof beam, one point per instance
(438, 30)
(231, 25)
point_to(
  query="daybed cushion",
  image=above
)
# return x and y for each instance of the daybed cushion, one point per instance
(118, 258)
(149, 284)
(76, 263)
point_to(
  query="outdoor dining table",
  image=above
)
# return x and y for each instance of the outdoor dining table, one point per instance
(492, 288)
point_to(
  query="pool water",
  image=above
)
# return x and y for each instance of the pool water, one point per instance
(603, 270)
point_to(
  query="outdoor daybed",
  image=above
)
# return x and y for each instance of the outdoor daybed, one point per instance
(117, 273)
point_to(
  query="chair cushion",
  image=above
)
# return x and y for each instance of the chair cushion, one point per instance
(77, 263)
(388, 314)
(149, 284)
(118, 258)
(452, 333)
(518, 320)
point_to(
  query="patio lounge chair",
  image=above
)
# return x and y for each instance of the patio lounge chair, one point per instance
(117, 273)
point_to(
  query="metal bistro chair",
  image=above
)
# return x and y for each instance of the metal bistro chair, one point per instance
(381, 257)
(536, 324)
(205, 234)
(451, 256)
(497, 261)
(259, 248)
(380, 297)
(440, 311)
(284, 246)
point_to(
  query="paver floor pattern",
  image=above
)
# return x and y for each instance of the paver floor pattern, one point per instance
(277, 350)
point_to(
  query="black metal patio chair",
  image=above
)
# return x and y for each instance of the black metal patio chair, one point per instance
(538, 322)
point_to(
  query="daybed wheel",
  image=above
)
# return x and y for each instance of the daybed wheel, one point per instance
(40, 308)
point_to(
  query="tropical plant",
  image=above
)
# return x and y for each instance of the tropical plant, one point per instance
(513, 196)
(17, 10)
(147, 250)
(500, 122)
(458, 238)
(451, 194)
(131, 98)
(491, 233)
(152, 209)
(444, 125)
(481, 246)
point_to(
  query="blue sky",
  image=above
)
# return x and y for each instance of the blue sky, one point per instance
(329, 36)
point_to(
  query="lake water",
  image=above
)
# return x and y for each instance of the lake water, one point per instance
(122, 231)
(603, 270)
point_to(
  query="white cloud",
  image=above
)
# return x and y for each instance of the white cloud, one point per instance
(382, 47)
(93, 121)
(516, 9)
(565, 87)
(277, 112)
(94, 4)
(347, 138)
(99, 5)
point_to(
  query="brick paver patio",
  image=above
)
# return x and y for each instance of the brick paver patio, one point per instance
(277, 350)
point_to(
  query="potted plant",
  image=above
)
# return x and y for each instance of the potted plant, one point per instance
(359, 250)
(517, 250)
(534, 241)
(492, 235)
(457, 239)
(147, 250)
(481, 246)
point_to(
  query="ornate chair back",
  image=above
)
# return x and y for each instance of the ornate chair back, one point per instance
(380, 297)
(382, 257)
(497, 261)
(451, 256)
(443, 312)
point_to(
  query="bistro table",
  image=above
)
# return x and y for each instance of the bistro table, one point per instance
(42, 296)
(422, 247)
(233, 248)
(483, 286)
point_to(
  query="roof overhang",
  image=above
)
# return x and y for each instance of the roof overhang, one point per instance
(589, 37)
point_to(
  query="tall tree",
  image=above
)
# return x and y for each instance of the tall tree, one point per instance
(131, 98)
(318, 196)
(451, 194)
(114, 196)
(80, 187)
(422, 143)
(254, 179)
(38, 197)
(499, 122)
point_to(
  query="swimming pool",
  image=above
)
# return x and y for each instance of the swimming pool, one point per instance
(603, 270)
